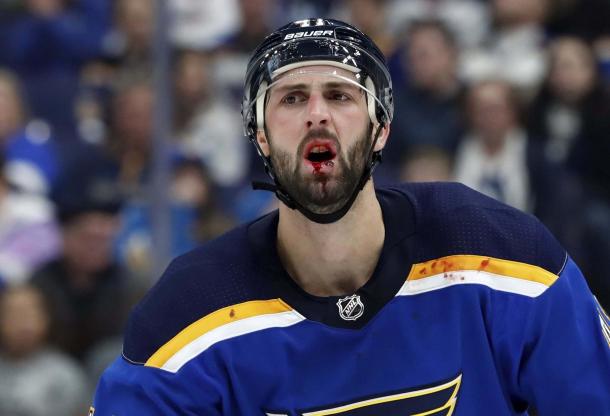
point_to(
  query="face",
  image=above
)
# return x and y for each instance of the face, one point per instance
(318, 135)
(11, 110)
(135, 18)
(492, 114)
(88, 241)
(23, 321)
(431, 59)
(572, 73)
(133, 116)
(192, 79)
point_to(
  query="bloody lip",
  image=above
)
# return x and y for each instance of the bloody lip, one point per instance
(322, 166)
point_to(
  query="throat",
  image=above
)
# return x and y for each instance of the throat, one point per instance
(331, 259)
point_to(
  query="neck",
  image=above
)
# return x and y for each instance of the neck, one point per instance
(337, 258)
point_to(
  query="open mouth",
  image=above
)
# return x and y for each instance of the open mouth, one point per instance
(319, 153)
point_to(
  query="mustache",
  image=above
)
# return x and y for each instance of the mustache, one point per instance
(318, 134)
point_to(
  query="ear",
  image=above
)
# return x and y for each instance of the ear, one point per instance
(261, 138)
(383, 136)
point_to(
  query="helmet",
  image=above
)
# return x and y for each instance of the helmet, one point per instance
(316, 42)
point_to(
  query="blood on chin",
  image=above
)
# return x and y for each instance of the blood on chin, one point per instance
(325, 168)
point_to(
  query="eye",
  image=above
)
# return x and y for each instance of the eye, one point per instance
(292, 98)
(339, 96)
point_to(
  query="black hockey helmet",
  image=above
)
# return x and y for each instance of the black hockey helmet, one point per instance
(317, 42)
(322, 42)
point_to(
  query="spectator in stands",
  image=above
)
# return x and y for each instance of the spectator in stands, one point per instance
(515, 48)
(572, 114)
(426, 164)
(32, 159)
(257, 18)
(206, 126)
(36, 380)
(428, 107)
(370, 16)
(497, 157)
(12, 107)
(130, 41)
(89, 293)
(29, 235)
(469, 20)
(203, 25)
(130, 137)
(195, 218)
(46, 45)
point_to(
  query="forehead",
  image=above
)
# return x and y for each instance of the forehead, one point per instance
(316, 74)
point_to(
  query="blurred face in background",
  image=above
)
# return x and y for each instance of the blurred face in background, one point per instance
(432, 60)
(510, 13)
(367, 15)
(192, 78)
(133, 117)
(492, 112)
(11, 107)
(255, 15)
(45, 7)
(191, 185)
(24, 321)
(88, 241)
(135, 20)
(572, 74)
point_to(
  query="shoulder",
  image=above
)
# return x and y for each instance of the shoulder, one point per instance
(453, 219)
(218, 274)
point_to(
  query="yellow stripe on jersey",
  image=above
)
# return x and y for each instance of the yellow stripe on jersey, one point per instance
(447, 407)
(493, 265)
(212, 321)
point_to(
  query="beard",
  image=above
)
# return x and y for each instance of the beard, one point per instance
(322, 194)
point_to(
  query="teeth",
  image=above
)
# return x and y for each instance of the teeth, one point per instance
(318, 149)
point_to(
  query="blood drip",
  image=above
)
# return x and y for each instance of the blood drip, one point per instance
(317, 166)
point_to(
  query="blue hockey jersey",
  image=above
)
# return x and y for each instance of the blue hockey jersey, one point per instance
(473, 309)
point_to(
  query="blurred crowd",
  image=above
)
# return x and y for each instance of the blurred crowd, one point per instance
(511, 97)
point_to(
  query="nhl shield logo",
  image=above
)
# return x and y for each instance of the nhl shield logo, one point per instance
(350, 307)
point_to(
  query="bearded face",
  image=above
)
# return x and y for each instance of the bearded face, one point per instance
(332, 181)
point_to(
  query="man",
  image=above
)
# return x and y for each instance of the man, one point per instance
(419, 299)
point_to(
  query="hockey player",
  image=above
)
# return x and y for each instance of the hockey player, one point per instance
(421, 299)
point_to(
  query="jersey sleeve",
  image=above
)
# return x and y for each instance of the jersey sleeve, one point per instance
(564, 367)
(133, 389)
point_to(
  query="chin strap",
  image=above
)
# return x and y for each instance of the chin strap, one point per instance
(373, 159)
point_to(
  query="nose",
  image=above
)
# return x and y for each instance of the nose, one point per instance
(317, 110)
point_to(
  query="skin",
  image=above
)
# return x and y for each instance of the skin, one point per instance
(492, 114)
(24, 322)
(313, 108)
(572, 75)
(432, 61)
